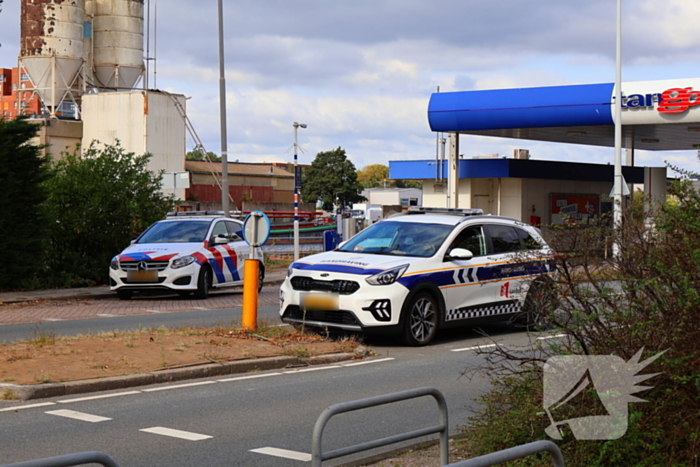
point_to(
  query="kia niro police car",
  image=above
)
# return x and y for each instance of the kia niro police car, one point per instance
(188, 252)
(422, 270)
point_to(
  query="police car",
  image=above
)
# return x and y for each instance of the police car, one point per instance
(188, 252)
(418, 271)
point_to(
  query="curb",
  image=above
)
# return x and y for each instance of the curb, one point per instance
(40, 391)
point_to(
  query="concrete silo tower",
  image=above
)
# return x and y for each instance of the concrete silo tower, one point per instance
(117, 43)
(51, 46)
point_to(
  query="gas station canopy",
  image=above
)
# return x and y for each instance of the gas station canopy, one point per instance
(656, 115)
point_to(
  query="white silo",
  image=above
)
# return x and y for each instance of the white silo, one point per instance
(51, 45)
(117, 28)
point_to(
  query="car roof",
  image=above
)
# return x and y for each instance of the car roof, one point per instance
(448, 216)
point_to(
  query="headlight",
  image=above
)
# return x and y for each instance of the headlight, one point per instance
(182, 262)
(387, 277)
(114, 264)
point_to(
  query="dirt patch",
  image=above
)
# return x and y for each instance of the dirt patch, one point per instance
(51, 359)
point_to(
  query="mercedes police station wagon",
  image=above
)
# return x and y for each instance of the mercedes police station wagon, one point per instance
(189, 251)
(418, 271)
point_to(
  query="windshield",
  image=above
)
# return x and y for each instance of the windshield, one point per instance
(176, 232)
(399, 239)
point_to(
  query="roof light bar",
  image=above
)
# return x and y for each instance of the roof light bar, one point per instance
(456, 211)
(194, 213)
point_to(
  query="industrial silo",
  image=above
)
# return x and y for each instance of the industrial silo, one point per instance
(117, 28)
(51, 45)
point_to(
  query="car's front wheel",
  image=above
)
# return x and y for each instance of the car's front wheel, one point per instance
(203, 283)
(420, 324)
(125, 294)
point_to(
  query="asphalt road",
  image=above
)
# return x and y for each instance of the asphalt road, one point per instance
(248, 419)
(69, 328)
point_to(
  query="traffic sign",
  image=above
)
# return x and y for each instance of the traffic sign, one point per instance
(256, 228)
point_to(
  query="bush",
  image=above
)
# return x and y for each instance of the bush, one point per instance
(646, 298)
(97, 202)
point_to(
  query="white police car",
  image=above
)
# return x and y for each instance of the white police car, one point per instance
(189, 251)
(419, 271)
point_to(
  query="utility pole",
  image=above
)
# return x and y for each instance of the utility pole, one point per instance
(297, 187)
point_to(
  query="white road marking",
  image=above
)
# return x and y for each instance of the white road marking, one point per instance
(104, 396)
(199, 308)
(368, 362)
(159, 430)
(305, 370)
(153, 311)
(30, 406)
(287, 454)
(474, 348)
(85, 417)
(106, 315)
(556, 336)
(240, 378)
(178, 386)
(51, 319)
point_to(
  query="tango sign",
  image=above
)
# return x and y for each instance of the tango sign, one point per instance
(671, 101)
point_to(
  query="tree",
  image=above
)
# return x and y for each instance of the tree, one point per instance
(198, 155)
(641, 304)
(332, 179)
(377, 175)
(22, 224)
(374, 175)
(97, 202)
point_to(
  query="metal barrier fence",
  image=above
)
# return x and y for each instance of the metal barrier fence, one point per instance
(517, 452)
(68, 460)
(318, 456)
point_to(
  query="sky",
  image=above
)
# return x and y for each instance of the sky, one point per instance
(360, 73)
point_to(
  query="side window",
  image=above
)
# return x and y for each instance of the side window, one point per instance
(472, 239)
(504, 238)
(528, 241)
(235, 231)
(220, 230)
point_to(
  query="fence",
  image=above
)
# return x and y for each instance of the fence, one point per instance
(318, 456)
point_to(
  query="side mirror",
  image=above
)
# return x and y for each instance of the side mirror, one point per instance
(460, 254)
(220, 240)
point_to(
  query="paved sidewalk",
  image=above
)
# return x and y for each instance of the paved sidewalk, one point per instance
(99, 302)
(275, 277)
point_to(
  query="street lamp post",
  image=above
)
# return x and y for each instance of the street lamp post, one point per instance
(297, 187)
(222, 113)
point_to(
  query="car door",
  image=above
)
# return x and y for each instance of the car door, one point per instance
(238, 248)
(508, 270)
(467, 296)
(219, 254)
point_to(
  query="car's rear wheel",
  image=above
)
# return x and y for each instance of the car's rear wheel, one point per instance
(261, 276)
(420, 323)
(540, 304)
(203, 283)
(125, 294)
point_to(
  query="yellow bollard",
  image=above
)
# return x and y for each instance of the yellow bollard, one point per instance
(249, 320)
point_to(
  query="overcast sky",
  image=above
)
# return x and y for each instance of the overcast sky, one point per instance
(360, 72)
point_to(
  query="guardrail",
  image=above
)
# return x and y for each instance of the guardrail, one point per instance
(318, 456)
(68, 460)
(517, 452)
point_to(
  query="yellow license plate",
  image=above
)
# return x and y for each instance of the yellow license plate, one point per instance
(142, 276)
(324, 301)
